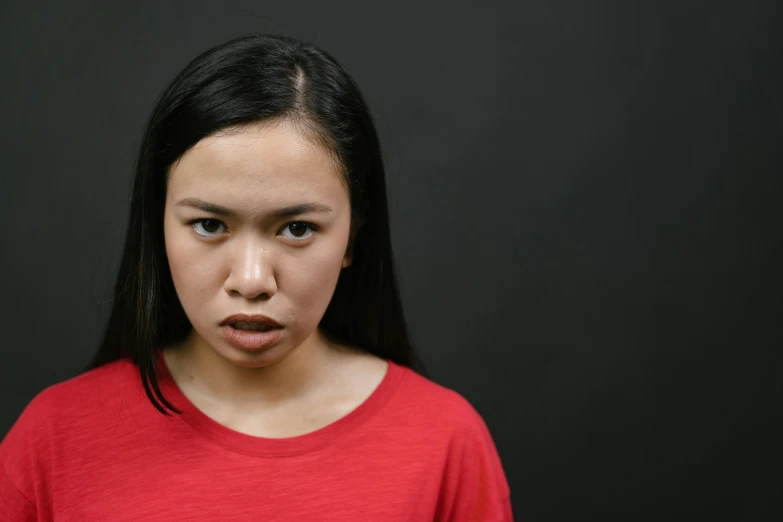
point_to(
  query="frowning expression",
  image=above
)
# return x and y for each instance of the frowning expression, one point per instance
(257, 221)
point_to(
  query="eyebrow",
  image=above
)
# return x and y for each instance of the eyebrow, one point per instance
(293, 210)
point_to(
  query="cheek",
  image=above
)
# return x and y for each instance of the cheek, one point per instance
(315, 280)
(191, 270)
(311, 280)
(310, 292)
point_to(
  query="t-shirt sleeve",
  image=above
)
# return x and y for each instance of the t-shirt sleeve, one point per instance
(14, 506)
(24, 464)
(474, 486)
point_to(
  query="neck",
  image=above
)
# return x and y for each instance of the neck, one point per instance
(201, 371)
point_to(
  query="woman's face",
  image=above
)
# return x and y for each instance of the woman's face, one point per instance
(257, 221)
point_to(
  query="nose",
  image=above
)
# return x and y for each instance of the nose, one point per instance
(252, 272)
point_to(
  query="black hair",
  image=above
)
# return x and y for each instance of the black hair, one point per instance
(242, 81)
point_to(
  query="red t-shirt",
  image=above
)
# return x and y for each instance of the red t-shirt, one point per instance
(93, 448)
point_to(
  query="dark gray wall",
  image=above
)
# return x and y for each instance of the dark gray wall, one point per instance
(585, 209)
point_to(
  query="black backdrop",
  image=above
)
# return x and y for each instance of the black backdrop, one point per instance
(585, 210)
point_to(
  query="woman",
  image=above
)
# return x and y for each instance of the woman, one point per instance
(256, 364)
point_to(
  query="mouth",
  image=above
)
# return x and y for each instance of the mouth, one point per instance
(250, 322)
(251, 333)
(253, 327)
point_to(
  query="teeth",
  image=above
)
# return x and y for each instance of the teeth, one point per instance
(255, 327)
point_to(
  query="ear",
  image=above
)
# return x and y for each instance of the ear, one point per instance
(348, 258)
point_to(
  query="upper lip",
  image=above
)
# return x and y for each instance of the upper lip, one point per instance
(249, 318)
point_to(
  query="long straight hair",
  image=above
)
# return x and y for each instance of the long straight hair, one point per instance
(246, 80)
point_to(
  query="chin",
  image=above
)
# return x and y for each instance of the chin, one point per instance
(254, 359)
(254, 363)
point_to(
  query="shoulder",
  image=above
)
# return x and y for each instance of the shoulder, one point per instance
(60, 404)
(438, 402)
(58, 421)
(453, 431)
(72, 395)
(439, 412)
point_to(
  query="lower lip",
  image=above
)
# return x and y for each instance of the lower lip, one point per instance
(250, 340)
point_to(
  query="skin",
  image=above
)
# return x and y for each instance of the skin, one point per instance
(254, 262)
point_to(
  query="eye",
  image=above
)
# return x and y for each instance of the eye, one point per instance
(207, 227)
(298, 230)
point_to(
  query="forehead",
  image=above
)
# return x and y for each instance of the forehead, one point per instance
(268, 162)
